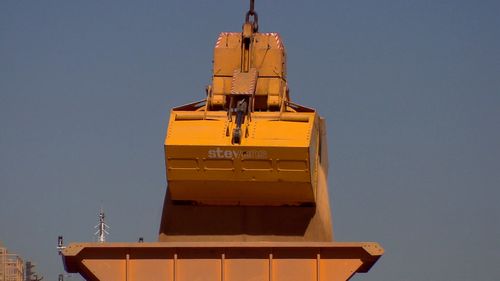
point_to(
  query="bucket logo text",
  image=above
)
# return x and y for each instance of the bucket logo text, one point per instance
(219, 153)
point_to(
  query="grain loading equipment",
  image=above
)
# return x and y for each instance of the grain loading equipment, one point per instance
(247, 195)
(246, 143)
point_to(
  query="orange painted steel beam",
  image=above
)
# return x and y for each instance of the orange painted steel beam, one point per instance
(221, 261)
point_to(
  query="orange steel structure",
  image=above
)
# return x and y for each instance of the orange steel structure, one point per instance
(226, 261)
(247, 195)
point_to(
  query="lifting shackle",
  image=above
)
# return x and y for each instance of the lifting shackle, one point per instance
(253, 14)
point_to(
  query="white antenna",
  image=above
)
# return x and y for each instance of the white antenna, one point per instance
(101, 228)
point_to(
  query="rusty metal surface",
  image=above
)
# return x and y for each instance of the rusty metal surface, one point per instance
(227, 261)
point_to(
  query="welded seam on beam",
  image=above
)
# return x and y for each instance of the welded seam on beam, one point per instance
(271, 267)
(175, 267)
(318, 262)
(222, 275)
(127, 266)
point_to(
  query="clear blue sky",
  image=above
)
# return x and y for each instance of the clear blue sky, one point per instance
(410, 89)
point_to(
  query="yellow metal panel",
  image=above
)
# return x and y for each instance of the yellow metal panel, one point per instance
(257, 165)
(275, 163)
(269, 55)
(271, 62)
(191, 132)
(218, 86)
(227, 192)
(279, 133)
(218, 165)
(227, 54)
(261, 89)
(293, 165)
(275, 86)
(183, 164)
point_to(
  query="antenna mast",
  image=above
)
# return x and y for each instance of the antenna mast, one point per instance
(102, 228)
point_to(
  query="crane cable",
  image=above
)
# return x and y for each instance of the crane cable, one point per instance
(253, 14)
